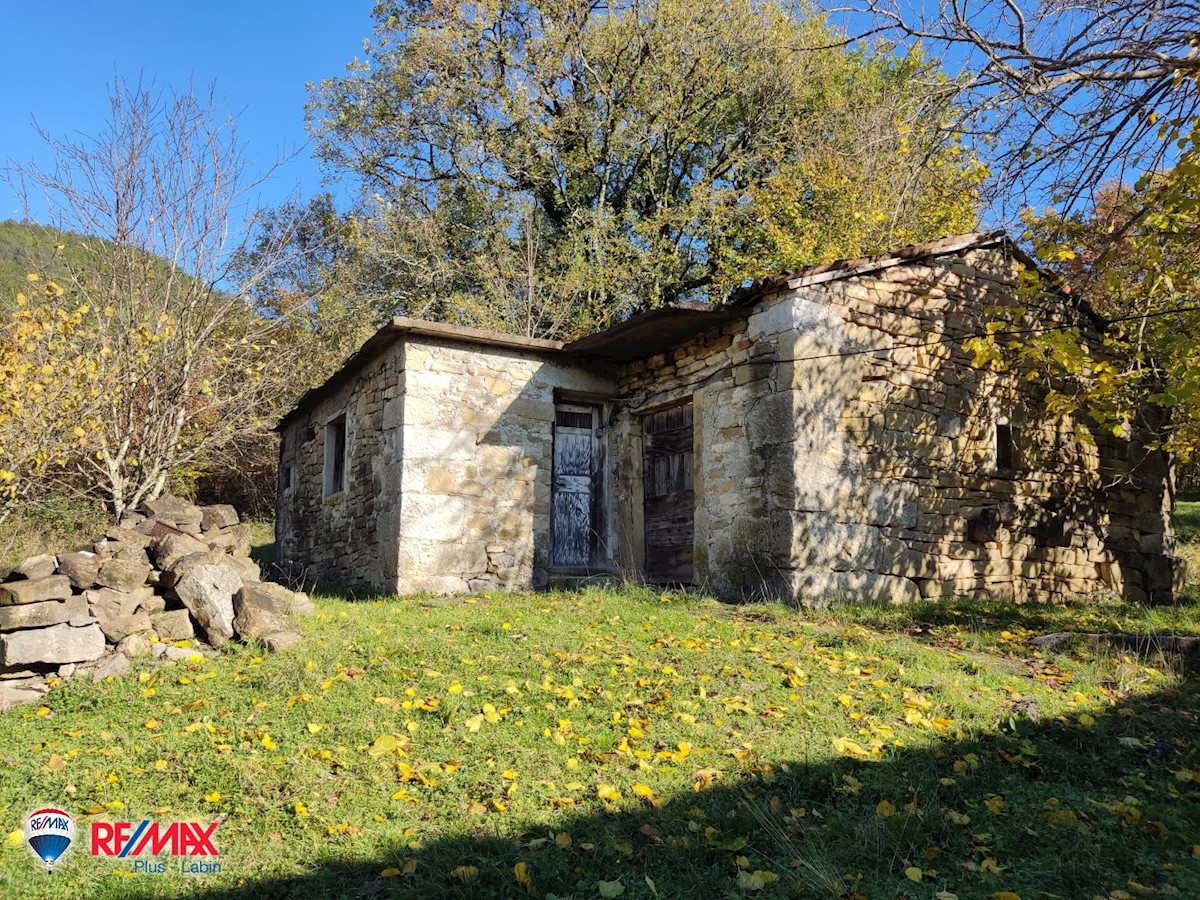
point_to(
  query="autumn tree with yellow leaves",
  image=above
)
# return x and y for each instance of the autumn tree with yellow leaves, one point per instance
(148, 359)
(49, 390)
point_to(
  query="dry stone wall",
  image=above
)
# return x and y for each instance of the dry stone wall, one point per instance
(845, 446)
(348, 538)
(478, 453)
(165, 583)
(884, 474)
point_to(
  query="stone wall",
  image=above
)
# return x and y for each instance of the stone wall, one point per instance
(845, 446)
(478, 452)
(720, 370)
(349, 538)
(875, 438)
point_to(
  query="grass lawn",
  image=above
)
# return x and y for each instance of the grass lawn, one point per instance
(635, 744)
(1187, 521)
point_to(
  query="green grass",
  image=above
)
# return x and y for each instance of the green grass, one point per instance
(48, 527)
(1187, 521)
(431, 734)
(663, 743)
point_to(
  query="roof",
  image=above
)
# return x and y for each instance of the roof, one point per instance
(394, 331)
(792, 279)
(649, 332)
(866, 265)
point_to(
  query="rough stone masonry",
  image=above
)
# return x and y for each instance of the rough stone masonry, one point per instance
(843, 445)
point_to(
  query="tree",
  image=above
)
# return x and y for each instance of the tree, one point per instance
(1088, 114)
(1067, 95)
(49, 389)
(182, 362)
(549, 165)
(1136, 255)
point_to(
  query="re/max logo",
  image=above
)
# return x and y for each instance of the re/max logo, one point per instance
(121, 839)
(51, 822)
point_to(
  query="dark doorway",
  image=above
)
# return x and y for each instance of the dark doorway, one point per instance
(669, 494)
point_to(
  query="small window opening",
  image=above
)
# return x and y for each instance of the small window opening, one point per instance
(285, 478)
(335, 456)
(1006, 451)
(567, 418)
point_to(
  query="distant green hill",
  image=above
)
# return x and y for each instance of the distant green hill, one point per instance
(27, 247)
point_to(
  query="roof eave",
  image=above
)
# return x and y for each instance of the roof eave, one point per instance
(395, 330)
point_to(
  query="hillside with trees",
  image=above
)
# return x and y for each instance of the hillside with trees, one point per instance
(26, 247)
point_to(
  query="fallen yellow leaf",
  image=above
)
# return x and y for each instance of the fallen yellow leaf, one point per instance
(521, 873)
(756, 880)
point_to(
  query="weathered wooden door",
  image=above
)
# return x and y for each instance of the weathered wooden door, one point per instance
(575, 501)
(669, 494)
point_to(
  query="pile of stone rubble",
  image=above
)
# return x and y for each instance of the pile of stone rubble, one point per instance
(164, 582)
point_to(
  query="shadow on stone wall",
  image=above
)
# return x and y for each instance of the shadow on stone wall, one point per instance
(859, 449)
(884, 479)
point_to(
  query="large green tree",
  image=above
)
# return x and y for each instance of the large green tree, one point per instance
(546, 165)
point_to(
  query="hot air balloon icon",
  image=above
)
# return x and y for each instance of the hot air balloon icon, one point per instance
(49, 833)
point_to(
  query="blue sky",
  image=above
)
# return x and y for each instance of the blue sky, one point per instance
(60, 58)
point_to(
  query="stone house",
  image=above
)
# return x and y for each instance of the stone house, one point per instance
(824, 434)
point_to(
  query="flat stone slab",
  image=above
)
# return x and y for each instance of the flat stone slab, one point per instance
(105, 603)
(134, 645)
(112, 666)
(207, 591)
(220, 515)
(273, 598)
(37, 566)
(169, 508)
(153, 605)
(234, 540)
(35, 590)
(41, 615)
(80, 566)
(123, 574)
(245, 567)
(119, 628)
(171, 548)
(10, 697)
(253, 622)
(56, 644)
(280, 640)
(175, 625)
(129, 536)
